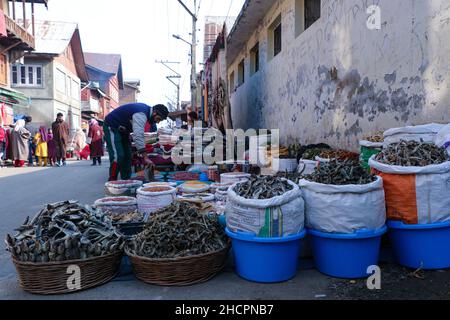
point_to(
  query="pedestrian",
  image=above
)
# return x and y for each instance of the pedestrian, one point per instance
(95, 141)
(60, 131)
(51, 146)
(80, 143)
(20, 143)
(40, 140)
(31, 145)
(3, 144)
(119, 124)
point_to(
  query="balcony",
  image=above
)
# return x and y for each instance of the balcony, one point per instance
(18, 37)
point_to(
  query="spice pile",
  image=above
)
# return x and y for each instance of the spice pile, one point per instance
(341, 173)
(64, 231)
(184, 176)
(263, 187)
(412, 154)
(178, 230)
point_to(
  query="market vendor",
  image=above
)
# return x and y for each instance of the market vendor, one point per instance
(119, 124)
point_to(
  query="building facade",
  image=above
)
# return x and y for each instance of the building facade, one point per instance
(51, 76)
(331, 71)
(17, 36)
(106, 70)
(130, 92)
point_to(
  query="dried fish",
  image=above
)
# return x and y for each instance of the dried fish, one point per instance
(178, 231)
(61, 232)
(130, 217)
(263, 187)
(376, 137)
(412, 154)
(341, 173)
(339, 155)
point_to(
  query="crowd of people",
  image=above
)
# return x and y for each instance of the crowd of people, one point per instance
(22, 144)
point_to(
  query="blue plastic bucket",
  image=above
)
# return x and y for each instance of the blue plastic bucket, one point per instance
(424, 246)
(266, 260)
(346, 256)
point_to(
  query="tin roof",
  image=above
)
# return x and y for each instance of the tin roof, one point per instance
(106, 62)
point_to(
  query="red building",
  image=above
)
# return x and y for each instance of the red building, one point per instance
(101, 94)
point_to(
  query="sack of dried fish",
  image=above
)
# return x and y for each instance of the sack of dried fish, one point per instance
(116, 205)
(426, 133)
(151, 199)
(64, 231)
(306, 166)
(415, 194)
(265, 206)
(126, 188)
(341, 197)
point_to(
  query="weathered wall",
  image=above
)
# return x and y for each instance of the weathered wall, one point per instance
(396, 76)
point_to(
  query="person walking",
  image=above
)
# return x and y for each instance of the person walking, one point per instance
(3, 145)
(79, 143)
(51, 146)
(20, 143)
(119, 124)
(60, 131)
(40, 140)
(95, 141)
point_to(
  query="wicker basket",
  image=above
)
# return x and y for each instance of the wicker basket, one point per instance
(51, 278)
(179, 271)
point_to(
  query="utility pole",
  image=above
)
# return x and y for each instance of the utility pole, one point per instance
(176, 76)
(193, 54)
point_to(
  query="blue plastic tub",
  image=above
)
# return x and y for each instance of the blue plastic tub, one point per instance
(266, 260)
(346, 255)
(425, 246)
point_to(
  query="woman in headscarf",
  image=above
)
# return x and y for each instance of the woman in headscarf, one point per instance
(51, 146)
(95, 139)
(40, 140)
(20, 143)
(80, 142)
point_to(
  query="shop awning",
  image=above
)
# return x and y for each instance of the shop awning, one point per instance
(14, 97)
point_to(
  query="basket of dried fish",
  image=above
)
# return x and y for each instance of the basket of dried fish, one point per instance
(66, 247)
(342, 197)
(267, 206)
(425, 133)
(179, 247)
(416, 179)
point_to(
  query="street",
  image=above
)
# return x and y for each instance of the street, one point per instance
(26, 190)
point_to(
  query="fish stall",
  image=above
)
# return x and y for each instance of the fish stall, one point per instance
(177, 229)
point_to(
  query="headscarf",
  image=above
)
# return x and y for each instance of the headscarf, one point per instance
(19, 125)
(44, 134)
(93, 122)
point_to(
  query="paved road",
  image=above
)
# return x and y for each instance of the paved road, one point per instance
(25, 191)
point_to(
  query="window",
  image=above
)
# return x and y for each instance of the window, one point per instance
(232, 83)
(241, 73)
(275, 38)
(26, 75)
(312, 12)
(60, 80)
(254, 59)
(306, 13)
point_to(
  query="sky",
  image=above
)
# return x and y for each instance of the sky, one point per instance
(141, 31)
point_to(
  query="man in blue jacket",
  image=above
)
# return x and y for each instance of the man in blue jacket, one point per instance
(119, 124)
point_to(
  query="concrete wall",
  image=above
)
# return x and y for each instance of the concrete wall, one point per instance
(396, 76)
